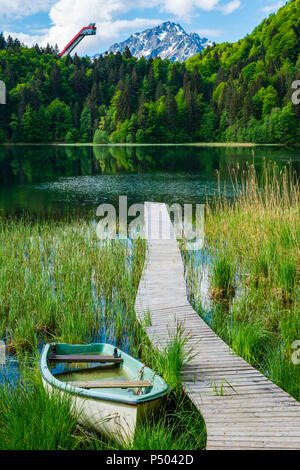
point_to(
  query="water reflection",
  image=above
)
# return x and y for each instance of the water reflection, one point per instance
(55, 178)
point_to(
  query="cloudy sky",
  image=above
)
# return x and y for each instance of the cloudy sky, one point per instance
(58, 21)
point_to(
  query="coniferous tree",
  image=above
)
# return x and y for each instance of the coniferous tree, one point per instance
(159, 92)
(229, 91)
(170, 111)
(2, 42)
(127, 54)
(55, 82)
(85, 125)
(142, 112)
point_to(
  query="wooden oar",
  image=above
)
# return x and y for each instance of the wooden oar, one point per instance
(83, 359)
(114, 384)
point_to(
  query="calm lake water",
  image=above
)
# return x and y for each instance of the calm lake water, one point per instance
(57, 179)
(42, 179)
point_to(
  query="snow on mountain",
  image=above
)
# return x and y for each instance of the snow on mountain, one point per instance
(168, 41)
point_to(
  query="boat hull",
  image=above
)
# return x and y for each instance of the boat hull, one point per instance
(109, 418)
(114, 412)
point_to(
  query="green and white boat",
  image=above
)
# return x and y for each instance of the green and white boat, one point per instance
(111, 390)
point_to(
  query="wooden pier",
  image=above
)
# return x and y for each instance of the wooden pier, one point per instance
(242, 409)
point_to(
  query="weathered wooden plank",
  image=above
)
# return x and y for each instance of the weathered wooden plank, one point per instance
(271, 397)
(72, 358)
(111, 384)
(256, 414)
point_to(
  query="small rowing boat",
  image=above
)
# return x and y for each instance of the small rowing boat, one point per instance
(111, 391)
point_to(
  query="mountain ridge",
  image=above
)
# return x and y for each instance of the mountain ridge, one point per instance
(167, 40)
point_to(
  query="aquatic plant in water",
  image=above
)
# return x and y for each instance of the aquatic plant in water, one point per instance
(255, 244)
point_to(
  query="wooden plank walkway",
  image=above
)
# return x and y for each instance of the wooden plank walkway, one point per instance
(252, 412)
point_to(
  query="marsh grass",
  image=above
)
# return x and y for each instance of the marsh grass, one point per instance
(257, 233)
(170, 359)
(32, 420)
(220, 391)
(178, 427)
(58, 282)
(251, 341)
(222, 282)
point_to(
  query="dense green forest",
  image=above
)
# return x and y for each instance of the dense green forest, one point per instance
(229, 92)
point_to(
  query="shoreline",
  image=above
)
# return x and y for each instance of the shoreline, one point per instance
(189, 144)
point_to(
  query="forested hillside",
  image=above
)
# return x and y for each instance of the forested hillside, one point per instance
(230, 92)
(251, 81)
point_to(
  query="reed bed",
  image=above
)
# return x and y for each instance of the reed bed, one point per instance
(33, 419)
(253, 256)
(59, 282)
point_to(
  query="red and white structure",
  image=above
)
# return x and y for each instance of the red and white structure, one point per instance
(86, 31)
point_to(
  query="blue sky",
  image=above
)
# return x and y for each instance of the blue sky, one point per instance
(57, 21)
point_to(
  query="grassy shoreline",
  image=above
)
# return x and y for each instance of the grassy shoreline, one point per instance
(59, 283)
(254, 245)
(183, 144)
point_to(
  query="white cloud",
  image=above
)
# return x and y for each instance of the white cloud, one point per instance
(68, 16)
(209, 33)
(206, 4)
(230, 7)
(111, 29)
(184, 9)
(19, 8)
(272, 8)
(28, 39)
(108, 33)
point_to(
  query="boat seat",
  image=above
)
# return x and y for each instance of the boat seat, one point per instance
(114, 384)
(70, 358)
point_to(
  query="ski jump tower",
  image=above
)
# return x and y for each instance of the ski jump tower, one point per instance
(86, 31)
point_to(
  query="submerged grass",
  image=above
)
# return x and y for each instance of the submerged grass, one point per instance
(180, 427)
(255, 240)
(222, 283)
(32, 420)
(169, 360)
(58, 282)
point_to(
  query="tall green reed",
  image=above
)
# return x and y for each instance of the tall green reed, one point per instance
(258, 232)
